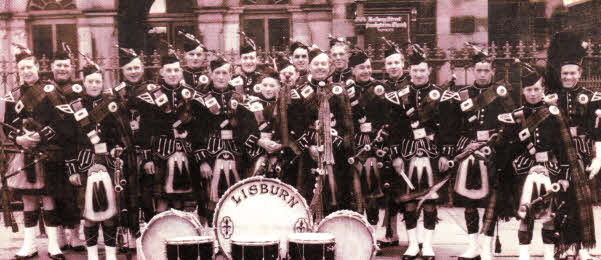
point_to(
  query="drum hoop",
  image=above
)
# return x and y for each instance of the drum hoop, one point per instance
(256, 243)
(189, 239)
(244, 182)
(325, 238)
(157, 217)
(356, 216)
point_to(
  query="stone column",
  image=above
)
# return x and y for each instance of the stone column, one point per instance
(231, 29)
(300, 27)
(340, 25)
(210, 24)
(320, 24)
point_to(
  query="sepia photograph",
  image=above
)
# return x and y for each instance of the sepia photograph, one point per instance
(300, 129)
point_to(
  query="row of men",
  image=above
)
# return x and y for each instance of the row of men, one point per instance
(383, 146)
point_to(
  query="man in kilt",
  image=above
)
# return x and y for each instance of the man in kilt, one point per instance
(582, 110)
(41, 134)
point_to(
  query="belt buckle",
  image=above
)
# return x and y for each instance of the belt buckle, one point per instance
(483, 136)
(227, 134)
(419, 133)
(542, 157)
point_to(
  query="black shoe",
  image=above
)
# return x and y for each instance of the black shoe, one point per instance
(66, 247)
(57, 256)
(408, 257)
(78, 248)
(428, 257)
(32, 255)
(473, 258)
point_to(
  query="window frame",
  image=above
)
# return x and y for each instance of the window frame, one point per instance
(265, 18)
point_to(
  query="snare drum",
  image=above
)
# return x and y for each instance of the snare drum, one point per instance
(249, 248)
(355, 238)
(318, 246)
(164, 226)
(193, 248)
(260, 207)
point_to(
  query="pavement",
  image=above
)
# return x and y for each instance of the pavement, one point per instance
(449, 241)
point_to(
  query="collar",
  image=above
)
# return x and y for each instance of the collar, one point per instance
(422, 87)
(534, 106)
(574, 89)
(482, 86)
(214, 90)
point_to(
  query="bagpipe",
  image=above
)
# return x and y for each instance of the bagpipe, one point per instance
(481, 150)
(9, 219)
(537, 192)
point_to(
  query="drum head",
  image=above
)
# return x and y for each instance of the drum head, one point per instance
(164, 226)
(354, 236)
(260, 207)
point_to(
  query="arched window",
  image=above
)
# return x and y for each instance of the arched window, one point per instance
(50, 5)
(47, 35)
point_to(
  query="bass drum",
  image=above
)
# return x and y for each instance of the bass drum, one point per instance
(260, 207)
(163, 227)
(355, 238)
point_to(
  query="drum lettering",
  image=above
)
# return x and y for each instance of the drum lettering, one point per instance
(284, 194)
(244, 193)
(253, 190)
(236, 199)
(264, 188)
(292, 201)
(276, 188)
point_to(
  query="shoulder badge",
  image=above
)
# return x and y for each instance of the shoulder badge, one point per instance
(48, 88)
(113, 107)
(151, 87)
(379, 90)
(403, 91)
(351, 92)
(502, 91)
(65, 108)
(19, 106)
(237, 81)
(434, 94)
(121, 86)
(8, 97)
(349, 82)
(294, 94)
(393, 97)
(203, 79)
(551, 99)
(256, 107)
(234, 103)
(583, 99)
(449, 94)
(257, 87)
(506, 118)
(146, 97)
(77, 88)
(307, 91)
(186, 93)
(596, 96)
(337, 89)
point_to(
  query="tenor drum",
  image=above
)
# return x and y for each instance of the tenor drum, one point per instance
(319, 246)
(253, 248)
(164, 226)
(260, 207)
(355, 238)
(193, 248)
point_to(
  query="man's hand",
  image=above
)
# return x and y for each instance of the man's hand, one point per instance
(269, 145)
(314, 152)
(28, 141)
(75, 179)
(205, 170)
(149, 168)
(594, 167)
(398, 164)
(443, 164)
